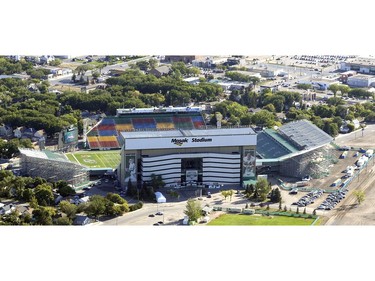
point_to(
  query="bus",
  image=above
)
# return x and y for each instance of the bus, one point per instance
(344, 154)
(336, 182)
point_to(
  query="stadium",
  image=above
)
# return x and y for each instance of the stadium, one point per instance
(176, 144)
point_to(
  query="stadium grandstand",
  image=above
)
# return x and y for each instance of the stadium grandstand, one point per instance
(107, 133)
(296, 149)
(52, 166)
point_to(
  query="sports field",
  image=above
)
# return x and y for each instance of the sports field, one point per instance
(96, 159)
(239, 219)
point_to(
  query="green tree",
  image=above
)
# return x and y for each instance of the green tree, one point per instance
(55, 62)
(350, 127)
(193, 210)
(153, 63)
(64, 188)
(43, 215)
(63, 221)
(276, 195)
(264, 118)
(262, 188)
(360, 196)
(115, 198)
(96, 206)
(44, 195)
(334, 88)
(304, 86)
(33, 202)
(74, 77)
(157, 181)
(68, 209)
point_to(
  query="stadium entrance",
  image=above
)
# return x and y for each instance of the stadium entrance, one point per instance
(191, 170)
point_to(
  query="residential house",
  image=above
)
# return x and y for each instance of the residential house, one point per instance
(33, 88)
(161, 71)
(81, 220)
(28, 133)
(18, 132)
(209, 62)
(23, 210)
(46, 59)
(39, 135)
(5, 131)
(185, 59)
(7, 209)
(192, 80)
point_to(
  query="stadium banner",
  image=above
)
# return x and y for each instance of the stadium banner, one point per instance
(130, 168)
(188, 142)
(71, 136)
(248, 164)
(191, 175)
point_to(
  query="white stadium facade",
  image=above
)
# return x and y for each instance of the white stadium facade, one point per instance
(188, 156)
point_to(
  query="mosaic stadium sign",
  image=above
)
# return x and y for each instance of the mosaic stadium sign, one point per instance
(180, 142)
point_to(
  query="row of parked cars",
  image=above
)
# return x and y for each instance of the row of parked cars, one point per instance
(333, 199)
(309, 198)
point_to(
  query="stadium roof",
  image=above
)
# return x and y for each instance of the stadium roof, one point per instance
(271, 145)
(304, 134)
(172, 109)
(188, 133)
(44, 154)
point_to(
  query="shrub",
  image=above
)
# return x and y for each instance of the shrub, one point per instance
(136, 206)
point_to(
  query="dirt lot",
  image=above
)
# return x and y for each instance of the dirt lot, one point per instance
(336, 171)
(348, 212)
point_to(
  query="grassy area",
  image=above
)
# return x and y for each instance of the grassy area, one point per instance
(98, 64)
(96, 159)
(240, 219)
(66, 88)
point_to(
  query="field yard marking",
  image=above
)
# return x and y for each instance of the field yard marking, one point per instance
(104, 166)
(76, 159)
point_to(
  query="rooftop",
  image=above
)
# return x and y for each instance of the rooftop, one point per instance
(305, 134)
(361, 77)
(188, 133)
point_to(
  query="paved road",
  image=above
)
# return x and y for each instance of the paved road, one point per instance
(173, 212)
(358, 138)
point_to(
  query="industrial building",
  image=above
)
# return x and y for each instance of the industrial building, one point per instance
(361, 81)
(361, 65)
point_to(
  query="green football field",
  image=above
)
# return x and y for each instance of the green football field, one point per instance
(96, 159)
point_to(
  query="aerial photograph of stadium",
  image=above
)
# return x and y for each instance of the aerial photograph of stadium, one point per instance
(187, 140)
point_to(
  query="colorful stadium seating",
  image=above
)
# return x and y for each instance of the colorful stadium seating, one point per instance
(107, 133)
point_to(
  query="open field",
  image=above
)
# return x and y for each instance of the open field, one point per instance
(66, 87)
(239, 219)
(96, 159)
